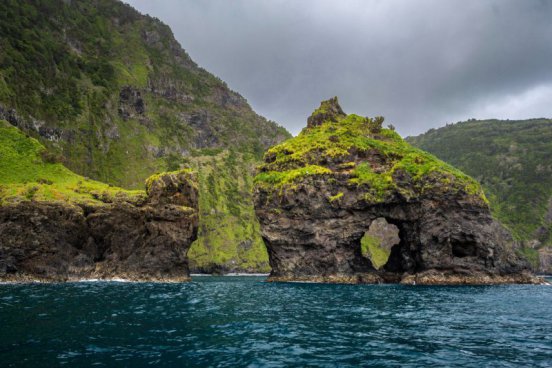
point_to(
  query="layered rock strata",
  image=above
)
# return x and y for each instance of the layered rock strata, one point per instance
(144, 240)
(317, 194)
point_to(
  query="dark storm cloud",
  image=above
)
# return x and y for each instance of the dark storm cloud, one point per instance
(419, 63)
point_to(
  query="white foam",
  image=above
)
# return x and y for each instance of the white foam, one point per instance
(105, 280)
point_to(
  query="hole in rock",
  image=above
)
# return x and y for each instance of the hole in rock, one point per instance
(377, 242)
(463, 249)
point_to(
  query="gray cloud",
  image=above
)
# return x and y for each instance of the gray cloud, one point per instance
(421, 63)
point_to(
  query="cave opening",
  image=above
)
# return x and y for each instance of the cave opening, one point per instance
(405, 256)
(464, 249)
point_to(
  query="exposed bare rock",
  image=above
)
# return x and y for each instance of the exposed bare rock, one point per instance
(329, 110)
(131, 103)
(56, 241)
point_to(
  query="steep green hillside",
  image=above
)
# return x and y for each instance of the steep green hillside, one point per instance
(229, 231)
(113, 94)
(29, 172)
(513, 161)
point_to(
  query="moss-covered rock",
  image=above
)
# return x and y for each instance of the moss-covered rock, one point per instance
(229, 238)
(56, 225)
(317, 195)
(382, 165)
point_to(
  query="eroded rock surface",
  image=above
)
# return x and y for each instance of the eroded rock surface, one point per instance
(317, 194)
(144, 241)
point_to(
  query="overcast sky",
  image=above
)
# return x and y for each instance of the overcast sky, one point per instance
(420, 64)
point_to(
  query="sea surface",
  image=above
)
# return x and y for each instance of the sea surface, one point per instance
(246, 322)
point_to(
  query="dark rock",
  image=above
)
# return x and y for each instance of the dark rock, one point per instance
(313, 224)
(205, 131)
(131, 103)
(55, 241)
(545, 261)
(329, 110)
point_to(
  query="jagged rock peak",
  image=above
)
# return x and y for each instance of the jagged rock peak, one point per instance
(329, 110)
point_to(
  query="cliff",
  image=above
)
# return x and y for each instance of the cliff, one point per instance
(58, 226)
(511, 160)
(112, 94)
(350, 201)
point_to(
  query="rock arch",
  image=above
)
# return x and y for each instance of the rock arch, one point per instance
(317, 195)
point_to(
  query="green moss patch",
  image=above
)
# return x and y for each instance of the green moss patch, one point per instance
(285, 178)
(371, 158)
(229, 233)
(371, 248)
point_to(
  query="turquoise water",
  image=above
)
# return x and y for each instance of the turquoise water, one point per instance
(243, 321)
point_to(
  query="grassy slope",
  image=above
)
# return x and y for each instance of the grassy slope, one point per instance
(28, 173)
(63, 65)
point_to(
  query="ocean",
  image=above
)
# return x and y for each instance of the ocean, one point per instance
(238, 321)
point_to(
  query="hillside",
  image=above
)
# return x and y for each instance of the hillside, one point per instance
(113, 94)
(513, 162)
(28, 172)
(57, 226)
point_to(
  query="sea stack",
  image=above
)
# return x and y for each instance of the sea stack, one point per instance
(349, 201)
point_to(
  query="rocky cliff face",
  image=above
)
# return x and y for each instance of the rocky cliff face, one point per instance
(511, 160)
(318, 194)
(115, 96)
(143, 240)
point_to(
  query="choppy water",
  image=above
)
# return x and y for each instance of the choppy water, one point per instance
(242, 321)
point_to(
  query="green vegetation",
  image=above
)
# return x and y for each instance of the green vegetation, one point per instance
(286, 178)
(27, 172)
(511, 159)
(336, 197)
(229, 233)
(64, 66)
(333, 147)
(371, 248)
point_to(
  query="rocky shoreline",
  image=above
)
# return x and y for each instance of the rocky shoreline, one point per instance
(425, 278)
(145, 240)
